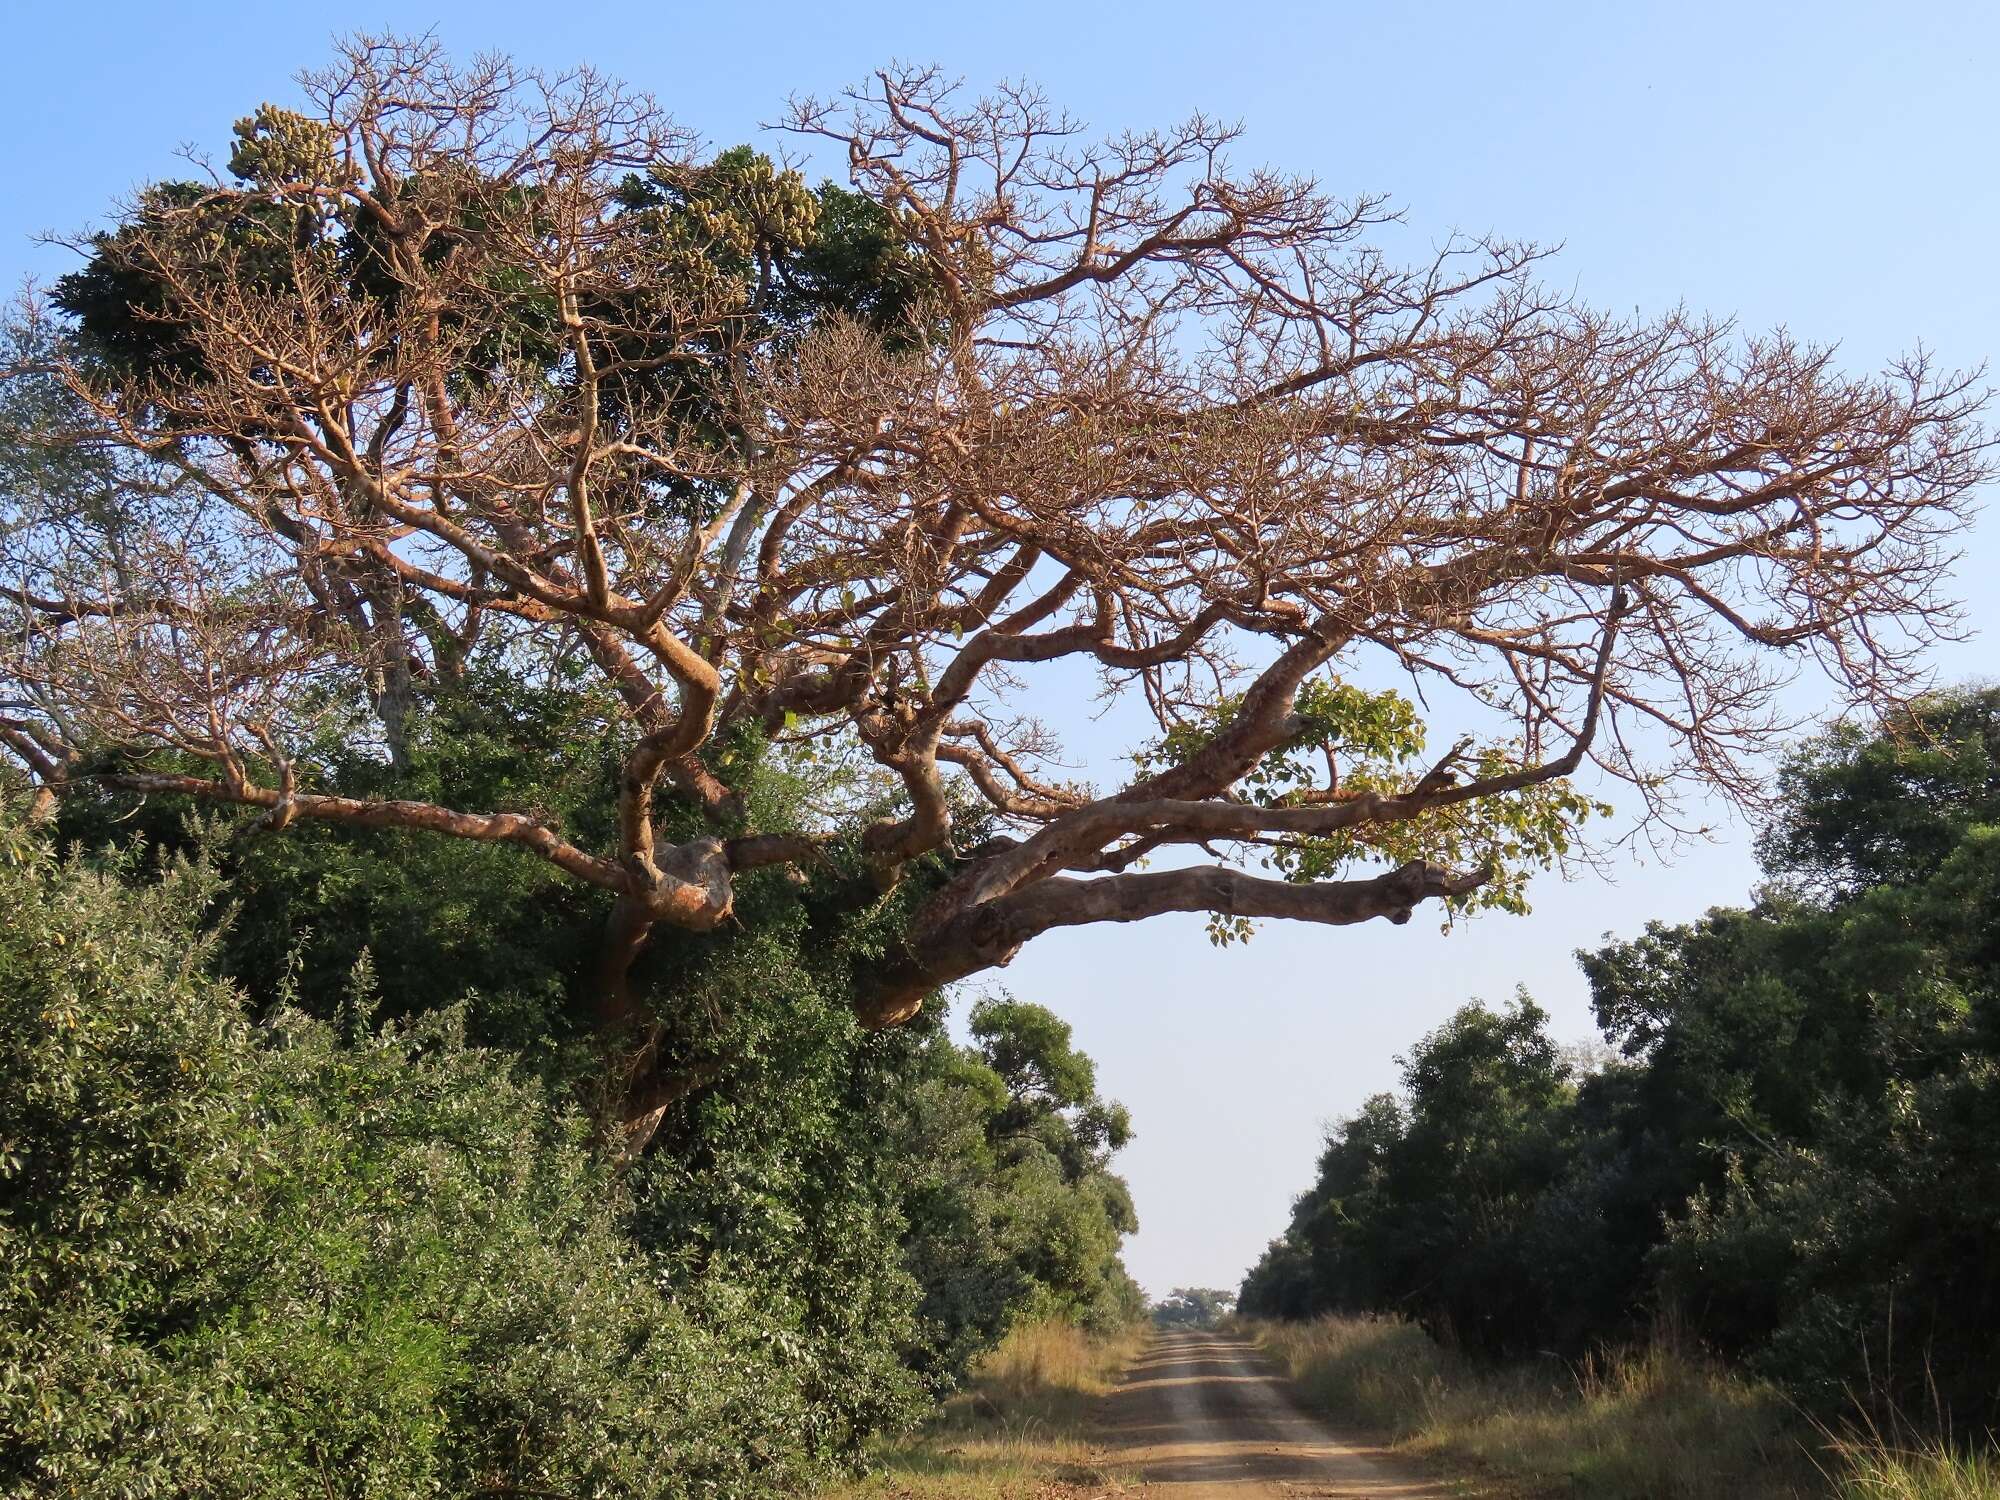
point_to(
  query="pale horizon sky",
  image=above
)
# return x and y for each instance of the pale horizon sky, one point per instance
(1828, 168)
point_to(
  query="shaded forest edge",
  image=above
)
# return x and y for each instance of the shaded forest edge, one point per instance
(1773, 1184)
(340, 1226)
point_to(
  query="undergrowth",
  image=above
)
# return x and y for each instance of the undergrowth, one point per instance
(1018, 1431)
(1654, 1424)
(1876, 1466)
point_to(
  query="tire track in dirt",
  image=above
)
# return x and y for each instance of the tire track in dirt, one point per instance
(1203, 1415)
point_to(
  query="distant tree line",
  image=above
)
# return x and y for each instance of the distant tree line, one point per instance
(1792, 1151)
(1194, 1307)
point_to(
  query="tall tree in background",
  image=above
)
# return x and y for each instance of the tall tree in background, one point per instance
(1194, 1307)
(471, 367)
(1014, 1212)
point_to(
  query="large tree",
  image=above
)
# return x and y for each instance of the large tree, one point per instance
(472, 364)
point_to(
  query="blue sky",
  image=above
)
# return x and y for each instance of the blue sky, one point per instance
(1827, 167)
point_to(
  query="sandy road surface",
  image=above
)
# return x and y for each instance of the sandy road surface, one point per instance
(1204, 1415)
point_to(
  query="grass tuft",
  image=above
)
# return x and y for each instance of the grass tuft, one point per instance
(1932, 1472)
(1873, 1466)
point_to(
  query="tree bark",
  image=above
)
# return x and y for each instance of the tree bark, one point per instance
(988, 935)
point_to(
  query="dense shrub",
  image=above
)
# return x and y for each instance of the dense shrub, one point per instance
(892, 1200)
(1001, 1151)
(340, 1221)
(307, 1257)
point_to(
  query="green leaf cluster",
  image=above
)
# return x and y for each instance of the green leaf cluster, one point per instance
(1013, 1211)
(1352, 742)
(832, 1225)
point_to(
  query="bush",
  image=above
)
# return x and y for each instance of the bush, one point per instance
(316, 1257)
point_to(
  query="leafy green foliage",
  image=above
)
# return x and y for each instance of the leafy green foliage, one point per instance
(1359, 743)
(1432, 1206)
(135, 321)
(1512, 835)
(1793, 1153)
(1862, 809)
(869, 1212)
(1854, 1252)
(444, 921)
(1014, 1213)
(739, 244)
(801, 253)
(1194, 1307)
(304, 1257)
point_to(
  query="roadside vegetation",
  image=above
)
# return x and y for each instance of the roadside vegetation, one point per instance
(535, 654)
(1785, 1153)
(1020, 1430)
(1920, 1469)
(1651, 1425)
(305, 1238)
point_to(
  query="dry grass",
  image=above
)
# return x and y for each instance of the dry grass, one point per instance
(1653, 1425)
(1923, 1471)
(1019, 1431)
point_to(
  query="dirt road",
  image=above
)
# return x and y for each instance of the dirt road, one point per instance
(1204, 1415)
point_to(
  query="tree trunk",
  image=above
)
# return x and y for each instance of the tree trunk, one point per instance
(637, 1091)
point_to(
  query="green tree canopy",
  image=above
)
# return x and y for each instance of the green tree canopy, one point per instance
(313, 1257)
(1193, 1307)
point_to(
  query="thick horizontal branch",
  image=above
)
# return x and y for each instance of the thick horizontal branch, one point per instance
(1072, 840)
(355, 812)
(1064, 902)
(989, 936)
